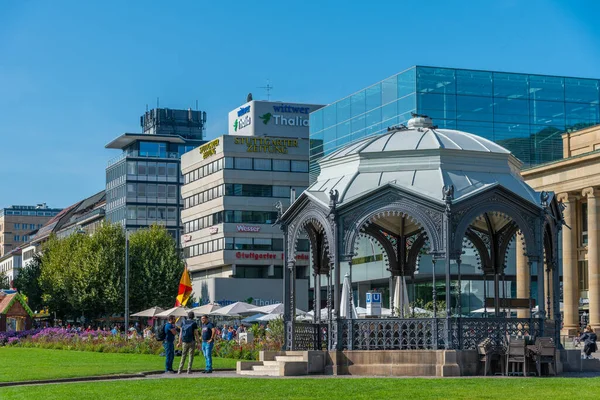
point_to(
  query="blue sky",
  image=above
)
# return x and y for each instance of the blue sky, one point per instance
(76, 74)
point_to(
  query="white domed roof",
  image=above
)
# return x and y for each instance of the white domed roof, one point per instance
(422, 159)
(420, 138)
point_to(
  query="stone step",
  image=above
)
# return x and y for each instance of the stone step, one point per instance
(271, 363)
(259, 373)
(266, 368)
(289, 358)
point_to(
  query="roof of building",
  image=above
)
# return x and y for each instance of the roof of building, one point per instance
(71, 215)
(7, 302)
(128, 138)
(422, 159)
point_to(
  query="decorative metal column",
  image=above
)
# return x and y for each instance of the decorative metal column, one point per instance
(459, 294)
(289, 332)
(315, 297)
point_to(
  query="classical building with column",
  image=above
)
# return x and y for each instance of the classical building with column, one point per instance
(576, 180)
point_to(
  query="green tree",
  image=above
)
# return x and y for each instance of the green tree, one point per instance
(155, 268)
(82, 275)
(58, 257)
(27, 282)
(4, 284)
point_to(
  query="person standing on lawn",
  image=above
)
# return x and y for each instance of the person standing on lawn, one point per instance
(169, 343)
(187, 340)
(208, 336)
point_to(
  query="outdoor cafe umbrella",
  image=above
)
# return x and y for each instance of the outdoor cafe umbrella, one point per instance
(175, 312)
(149, 313)
(347, 309)
(236, 309)
(401, 296)
(274, 309)
(206, 309)
(269, 317)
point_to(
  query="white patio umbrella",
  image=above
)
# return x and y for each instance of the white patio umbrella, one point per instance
(175, 312)
(269, 317)
(236, 309)
(401, 296)
(269, 309)
(206, 309)
(323, 313)
(253, 318)
(347, 309)
(275, 309)
(149, 313)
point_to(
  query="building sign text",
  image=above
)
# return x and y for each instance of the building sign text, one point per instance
(266, 145)
(209, 149)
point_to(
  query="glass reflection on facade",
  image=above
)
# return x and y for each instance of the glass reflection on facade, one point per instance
(524, 113)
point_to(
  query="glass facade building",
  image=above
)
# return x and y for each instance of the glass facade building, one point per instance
(524, 113)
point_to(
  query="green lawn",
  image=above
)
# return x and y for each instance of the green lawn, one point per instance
(23, 364)
(365, 388)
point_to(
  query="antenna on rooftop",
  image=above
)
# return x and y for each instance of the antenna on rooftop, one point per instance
(268, 88)
(157, 102)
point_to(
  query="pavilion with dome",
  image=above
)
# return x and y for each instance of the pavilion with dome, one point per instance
(415, 189)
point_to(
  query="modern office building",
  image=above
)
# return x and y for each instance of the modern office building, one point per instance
(232, 186)
(143, 184)
(85, 216)
(576, 180)
(10, 264)
(525, 113)
(18, 222)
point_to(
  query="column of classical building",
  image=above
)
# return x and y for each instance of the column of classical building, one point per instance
(593, 254)
(569, 261)
(523, 276)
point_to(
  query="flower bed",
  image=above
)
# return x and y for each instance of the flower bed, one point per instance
(105, 342)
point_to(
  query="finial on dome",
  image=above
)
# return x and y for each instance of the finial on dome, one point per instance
(419, 121)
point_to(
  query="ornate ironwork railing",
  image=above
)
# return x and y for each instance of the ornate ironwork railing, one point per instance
(408, 333)
(307, 336)
(388, 334)
(472, 331)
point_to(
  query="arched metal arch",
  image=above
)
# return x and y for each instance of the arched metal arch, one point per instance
(317, 219)
(431, 222)
(497, 206)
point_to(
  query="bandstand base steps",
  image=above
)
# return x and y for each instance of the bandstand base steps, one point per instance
(284, 363)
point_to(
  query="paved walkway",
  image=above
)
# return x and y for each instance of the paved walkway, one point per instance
(233, 375)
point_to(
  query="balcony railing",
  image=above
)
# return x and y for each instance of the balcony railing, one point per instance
(136, 153)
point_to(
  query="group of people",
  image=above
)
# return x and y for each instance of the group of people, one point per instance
(230, 332)
(189, 336)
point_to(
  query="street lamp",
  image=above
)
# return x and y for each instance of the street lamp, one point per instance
(126, 280)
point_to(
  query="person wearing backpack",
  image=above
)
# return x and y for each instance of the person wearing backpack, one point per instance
(187, 340)
(169, 343)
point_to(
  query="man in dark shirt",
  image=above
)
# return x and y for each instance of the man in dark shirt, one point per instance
(187, 341)
(208, 335)
(169, 344)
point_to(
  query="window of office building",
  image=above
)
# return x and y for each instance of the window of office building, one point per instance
(172, 191)
(153, 149)
(281, 165)
(172, 213)
(299, 166)
(151, 169)
(162, 191)
(161, 169)
(243, 163)
(142, 167)
(281, 191)
(262, 164)
(583, 275)
(172, 170)
(141, 212)
(584, 224)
